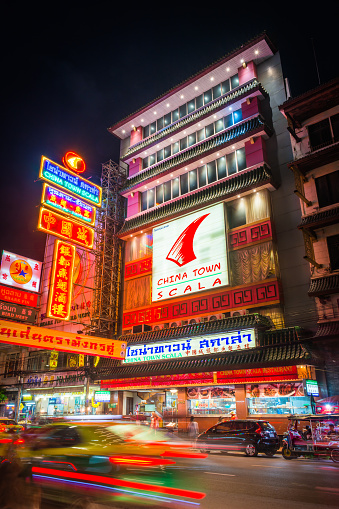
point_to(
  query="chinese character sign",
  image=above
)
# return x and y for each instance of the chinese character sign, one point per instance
(192, 347)
(20, 272)
(65, 228)
(41, 337)
(70, 205)
(60, 293)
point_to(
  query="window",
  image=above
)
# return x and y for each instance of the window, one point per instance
(151, 160)
(153, 128)
(211, 172)
(224, 427)
(12, 364)
(234, 81)
(160, 155)
(202, 176)
(241, 159)
(175, 147)
(144, 201)
(333, 251)
(328, 189)
(221, 166)
(225, 85)
(167, 119)
(208, 96)
(219, 125)
(191, 106)
(160, 123)
(183, 111)
(175, 187)
(151, 198)
(216, 91)
(146, 131)
(236, 214)
(167, 191)
(183, 143)
(231, 163)
(159, 194)
(237, 116)
(199, 101)
(175, 115)
(192, 139)
(201, 134)
(320, 134)
(184, 183)
(193, 180)
(209, 129)
(167, 151)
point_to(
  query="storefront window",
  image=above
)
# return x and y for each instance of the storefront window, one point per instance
(280, 398)
(211, 400)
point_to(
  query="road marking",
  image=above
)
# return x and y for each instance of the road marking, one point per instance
(217, 473)
(267, 466)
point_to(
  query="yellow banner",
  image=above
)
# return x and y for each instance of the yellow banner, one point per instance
(50, 339)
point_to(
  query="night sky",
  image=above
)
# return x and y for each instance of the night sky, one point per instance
(68, 73)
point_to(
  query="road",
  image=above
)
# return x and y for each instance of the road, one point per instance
(234, 481)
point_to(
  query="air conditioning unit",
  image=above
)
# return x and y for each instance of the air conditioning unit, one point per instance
(141, 328)
(217, 316)
(240, 312)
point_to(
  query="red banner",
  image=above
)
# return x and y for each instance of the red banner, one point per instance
(65, 228)
(236, 376)
(236, 298)
(247, 235)
(138, 268)
(60, 292)
(18, 297)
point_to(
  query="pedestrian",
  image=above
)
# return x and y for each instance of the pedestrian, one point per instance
(233, 416)
(193, 428)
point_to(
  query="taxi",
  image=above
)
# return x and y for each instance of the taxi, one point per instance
(7, 424)
(68, 457)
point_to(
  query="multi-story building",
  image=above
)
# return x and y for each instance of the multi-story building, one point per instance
(313, 122)
(215, 305)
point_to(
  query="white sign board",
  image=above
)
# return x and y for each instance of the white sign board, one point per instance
(189, 254)
(192, 347)
(20, 272)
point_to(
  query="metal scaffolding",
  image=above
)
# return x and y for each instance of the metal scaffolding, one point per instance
(108, 253)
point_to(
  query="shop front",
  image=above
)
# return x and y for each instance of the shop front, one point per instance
(55, 395)
(259, 393)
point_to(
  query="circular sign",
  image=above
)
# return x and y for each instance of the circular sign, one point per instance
(20, 271)
(74, 162)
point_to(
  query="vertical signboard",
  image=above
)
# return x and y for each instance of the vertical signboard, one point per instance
(60, 293)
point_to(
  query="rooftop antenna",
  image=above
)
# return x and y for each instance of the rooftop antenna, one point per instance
(315, 58)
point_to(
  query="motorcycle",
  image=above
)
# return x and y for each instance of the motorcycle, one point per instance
(319, 438)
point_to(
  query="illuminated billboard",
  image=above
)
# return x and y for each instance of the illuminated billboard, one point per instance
(192, 347)
(20, 272)
(40, 337)
(189, 254)
(61, 177)
(65, 228)
(60, 292)
(68, 204)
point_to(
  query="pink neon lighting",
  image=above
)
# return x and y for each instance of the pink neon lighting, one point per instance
(119, 482)
(182, 251)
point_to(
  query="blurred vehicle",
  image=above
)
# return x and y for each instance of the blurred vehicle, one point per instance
(321, 439)
(7, 424)
(249, 436)
(70, 461)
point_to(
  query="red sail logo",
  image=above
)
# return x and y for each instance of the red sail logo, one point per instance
(182, 251)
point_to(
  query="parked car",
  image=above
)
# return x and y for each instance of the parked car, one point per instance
(250, 436)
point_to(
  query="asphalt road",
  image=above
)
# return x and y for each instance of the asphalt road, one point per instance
(233, 481)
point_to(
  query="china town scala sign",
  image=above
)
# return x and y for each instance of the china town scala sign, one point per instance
(50, 339)
(191, 347)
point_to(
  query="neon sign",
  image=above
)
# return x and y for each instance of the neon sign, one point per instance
(189, 254)
(74, 162)
(60, 293)
(65, 228)
(60, 176)
(41, 337)
(192, 347)
(68, 204)
(20, 272)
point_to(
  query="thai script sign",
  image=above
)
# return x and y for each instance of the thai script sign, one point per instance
(189, 254)
(19, 271)
(41, 337)
(18, 296)
(65, 228)
(60, 292)
(16, 312)
(54, 380)
(68, 204)
(58, 175)
(191, 347)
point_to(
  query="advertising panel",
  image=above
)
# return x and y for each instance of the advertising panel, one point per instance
(41, 337)
(102, 396)
(60, 292)
(19, 271)
(18, 296)
(275, 390)
(58, 175)
(65, 228)
(16, 312)
(191, 347)
(189, 254)
(68, 204)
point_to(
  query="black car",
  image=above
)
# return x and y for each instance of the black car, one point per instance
(249, 436)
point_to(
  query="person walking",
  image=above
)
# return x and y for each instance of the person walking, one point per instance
(193, 429)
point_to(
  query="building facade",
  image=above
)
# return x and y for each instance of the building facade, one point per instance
(313, 120)
(216, 310)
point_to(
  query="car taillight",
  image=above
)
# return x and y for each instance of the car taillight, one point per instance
(19, 441)
(140, 461)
